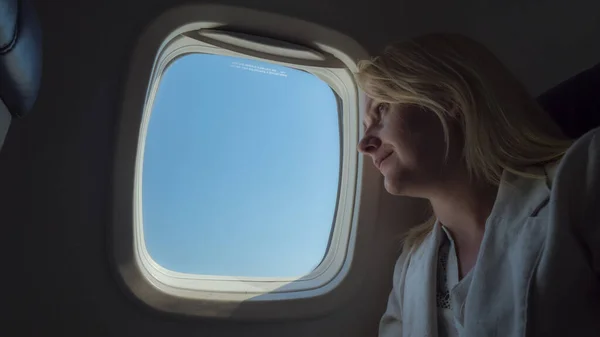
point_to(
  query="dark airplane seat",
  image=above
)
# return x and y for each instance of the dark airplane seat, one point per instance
(20, 60)
(575, 103)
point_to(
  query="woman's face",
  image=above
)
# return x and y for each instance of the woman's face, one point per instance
(406, 143)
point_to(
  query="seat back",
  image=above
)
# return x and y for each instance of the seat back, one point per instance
(575, 103)
(20, 60)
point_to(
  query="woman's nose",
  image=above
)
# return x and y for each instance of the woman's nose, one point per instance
(368, 144)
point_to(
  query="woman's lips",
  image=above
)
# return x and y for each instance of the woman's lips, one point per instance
(380, 162)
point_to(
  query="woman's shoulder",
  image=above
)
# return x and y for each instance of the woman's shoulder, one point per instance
(581, 162)
(578, 174)
(589, 141)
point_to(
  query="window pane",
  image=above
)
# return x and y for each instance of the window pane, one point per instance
(241, 168)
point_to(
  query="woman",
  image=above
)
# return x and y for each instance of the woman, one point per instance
(513, 247)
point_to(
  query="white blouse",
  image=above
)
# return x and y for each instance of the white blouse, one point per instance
(451, 293)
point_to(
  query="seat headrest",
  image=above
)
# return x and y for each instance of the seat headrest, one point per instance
(20, 56)
(575, 103)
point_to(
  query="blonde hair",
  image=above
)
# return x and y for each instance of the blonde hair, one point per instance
(460, 80)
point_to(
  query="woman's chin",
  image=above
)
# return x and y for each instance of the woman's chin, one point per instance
(392, 186)
(401, 187)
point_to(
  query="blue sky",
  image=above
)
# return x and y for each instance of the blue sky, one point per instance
(241, 168)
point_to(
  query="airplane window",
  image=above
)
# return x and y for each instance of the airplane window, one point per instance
(241, 168)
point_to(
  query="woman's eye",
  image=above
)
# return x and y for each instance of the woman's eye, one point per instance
(382, 108)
